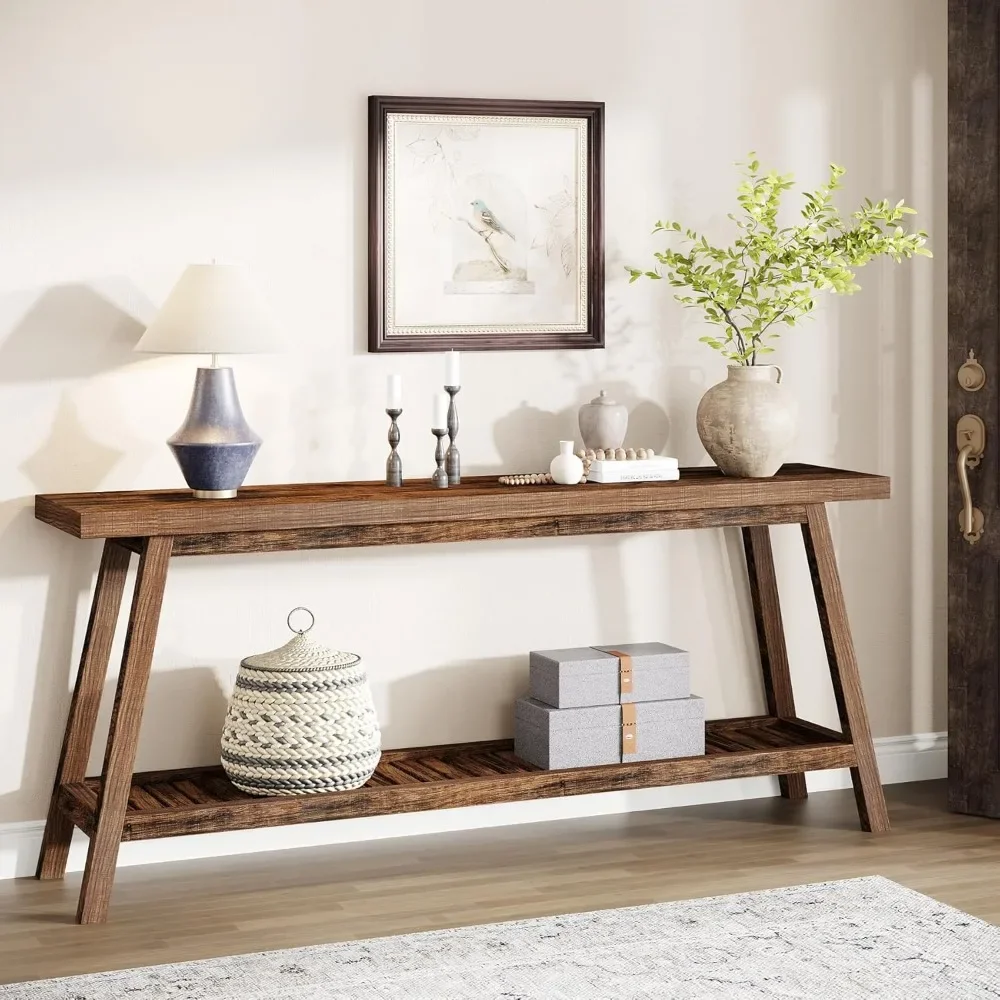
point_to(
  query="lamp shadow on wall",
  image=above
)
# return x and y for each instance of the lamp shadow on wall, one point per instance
(71, 332)
(69, 459)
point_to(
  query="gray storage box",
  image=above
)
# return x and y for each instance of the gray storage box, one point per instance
(591, 675)
(553, 738)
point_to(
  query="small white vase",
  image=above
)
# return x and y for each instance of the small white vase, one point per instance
(748, 423)
(566, 468)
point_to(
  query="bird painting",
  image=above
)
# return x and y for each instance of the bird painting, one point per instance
(487, 225)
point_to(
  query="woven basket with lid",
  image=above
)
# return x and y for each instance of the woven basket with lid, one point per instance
(301, 721)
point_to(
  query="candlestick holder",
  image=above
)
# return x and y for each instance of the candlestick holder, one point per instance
(440, 477)
(393, 464)
(452, 460)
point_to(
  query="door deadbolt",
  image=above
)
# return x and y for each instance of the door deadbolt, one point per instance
(972, 375)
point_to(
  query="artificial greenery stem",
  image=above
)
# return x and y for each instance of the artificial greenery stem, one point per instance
(770, 275)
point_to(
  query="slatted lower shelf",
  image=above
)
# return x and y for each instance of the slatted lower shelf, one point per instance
(202, 800)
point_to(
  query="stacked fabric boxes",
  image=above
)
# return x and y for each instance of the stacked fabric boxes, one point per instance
(609, 705)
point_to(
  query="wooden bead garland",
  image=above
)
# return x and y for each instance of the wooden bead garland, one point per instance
(616, 454)
(587, 457)
(527, 479)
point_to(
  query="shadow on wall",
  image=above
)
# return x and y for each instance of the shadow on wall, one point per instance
(626, 338)
(189, 705)
(71, 332)
(191, 696)
(528, 438)
(686, 384)
(29, 549)
(473, 700)
(69, 459)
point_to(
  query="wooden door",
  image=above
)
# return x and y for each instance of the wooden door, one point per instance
(974, 325)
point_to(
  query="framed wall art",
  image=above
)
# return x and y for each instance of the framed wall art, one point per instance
(486, 227)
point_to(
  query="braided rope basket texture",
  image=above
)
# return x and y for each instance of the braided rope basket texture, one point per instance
(301, 721)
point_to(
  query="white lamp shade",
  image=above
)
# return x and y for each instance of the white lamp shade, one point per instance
(213, 309)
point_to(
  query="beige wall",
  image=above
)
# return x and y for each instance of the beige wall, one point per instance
(138, 136)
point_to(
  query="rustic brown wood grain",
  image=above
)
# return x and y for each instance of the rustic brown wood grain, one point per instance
(123, 735)
(86, 703)
(360, 536)
(78, 803)
(973, 324)
(375, 505)
(771, 639)
(448, 776)
(844, 669)
(157, 525)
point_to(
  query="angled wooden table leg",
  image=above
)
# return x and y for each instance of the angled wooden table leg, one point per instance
(119, 759)
(844, 668)
(86, 703)
(771, 640)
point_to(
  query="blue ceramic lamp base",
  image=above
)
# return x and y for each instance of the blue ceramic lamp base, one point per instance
(215, 446)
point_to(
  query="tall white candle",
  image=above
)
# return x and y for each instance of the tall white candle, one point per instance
(394, 392)
(451, 370)
(440, 409)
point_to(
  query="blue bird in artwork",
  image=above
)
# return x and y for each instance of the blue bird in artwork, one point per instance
(486, 222)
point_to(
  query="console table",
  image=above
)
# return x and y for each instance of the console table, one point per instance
(120, 805)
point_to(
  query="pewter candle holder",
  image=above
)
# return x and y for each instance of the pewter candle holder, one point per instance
(440, 477)
(393, 464)
(452, 460)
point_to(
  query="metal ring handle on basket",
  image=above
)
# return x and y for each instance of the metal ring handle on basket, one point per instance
(300, 631)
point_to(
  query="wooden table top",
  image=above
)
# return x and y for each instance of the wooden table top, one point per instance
(306, 506)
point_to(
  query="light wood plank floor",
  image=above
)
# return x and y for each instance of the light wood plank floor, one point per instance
(202, 909)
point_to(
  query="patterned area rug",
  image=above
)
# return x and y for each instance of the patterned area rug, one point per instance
(852, 940)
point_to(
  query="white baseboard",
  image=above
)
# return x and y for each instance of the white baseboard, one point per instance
(901, 758)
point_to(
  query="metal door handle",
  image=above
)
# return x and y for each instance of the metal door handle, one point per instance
(971, 440)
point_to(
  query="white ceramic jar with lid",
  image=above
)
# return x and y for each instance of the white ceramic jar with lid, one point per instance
(603, 423)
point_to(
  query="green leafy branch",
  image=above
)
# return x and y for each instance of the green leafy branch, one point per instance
(768, 278)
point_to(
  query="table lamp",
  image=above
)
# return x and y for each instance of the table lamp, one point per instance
(213, 310)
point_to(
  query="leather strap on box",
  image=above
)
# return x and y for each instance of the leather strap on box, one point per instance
(624, 672)
(630, 733)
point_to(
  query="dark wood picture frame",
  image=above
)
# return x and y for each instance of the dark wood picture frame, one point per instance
(381, 341)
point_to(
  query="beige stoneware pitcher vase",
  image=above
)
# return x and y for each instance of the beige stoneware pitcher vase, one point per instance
(748, 423)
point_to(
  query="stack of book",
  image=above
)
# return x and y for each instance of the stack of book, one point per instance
(639, 470)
